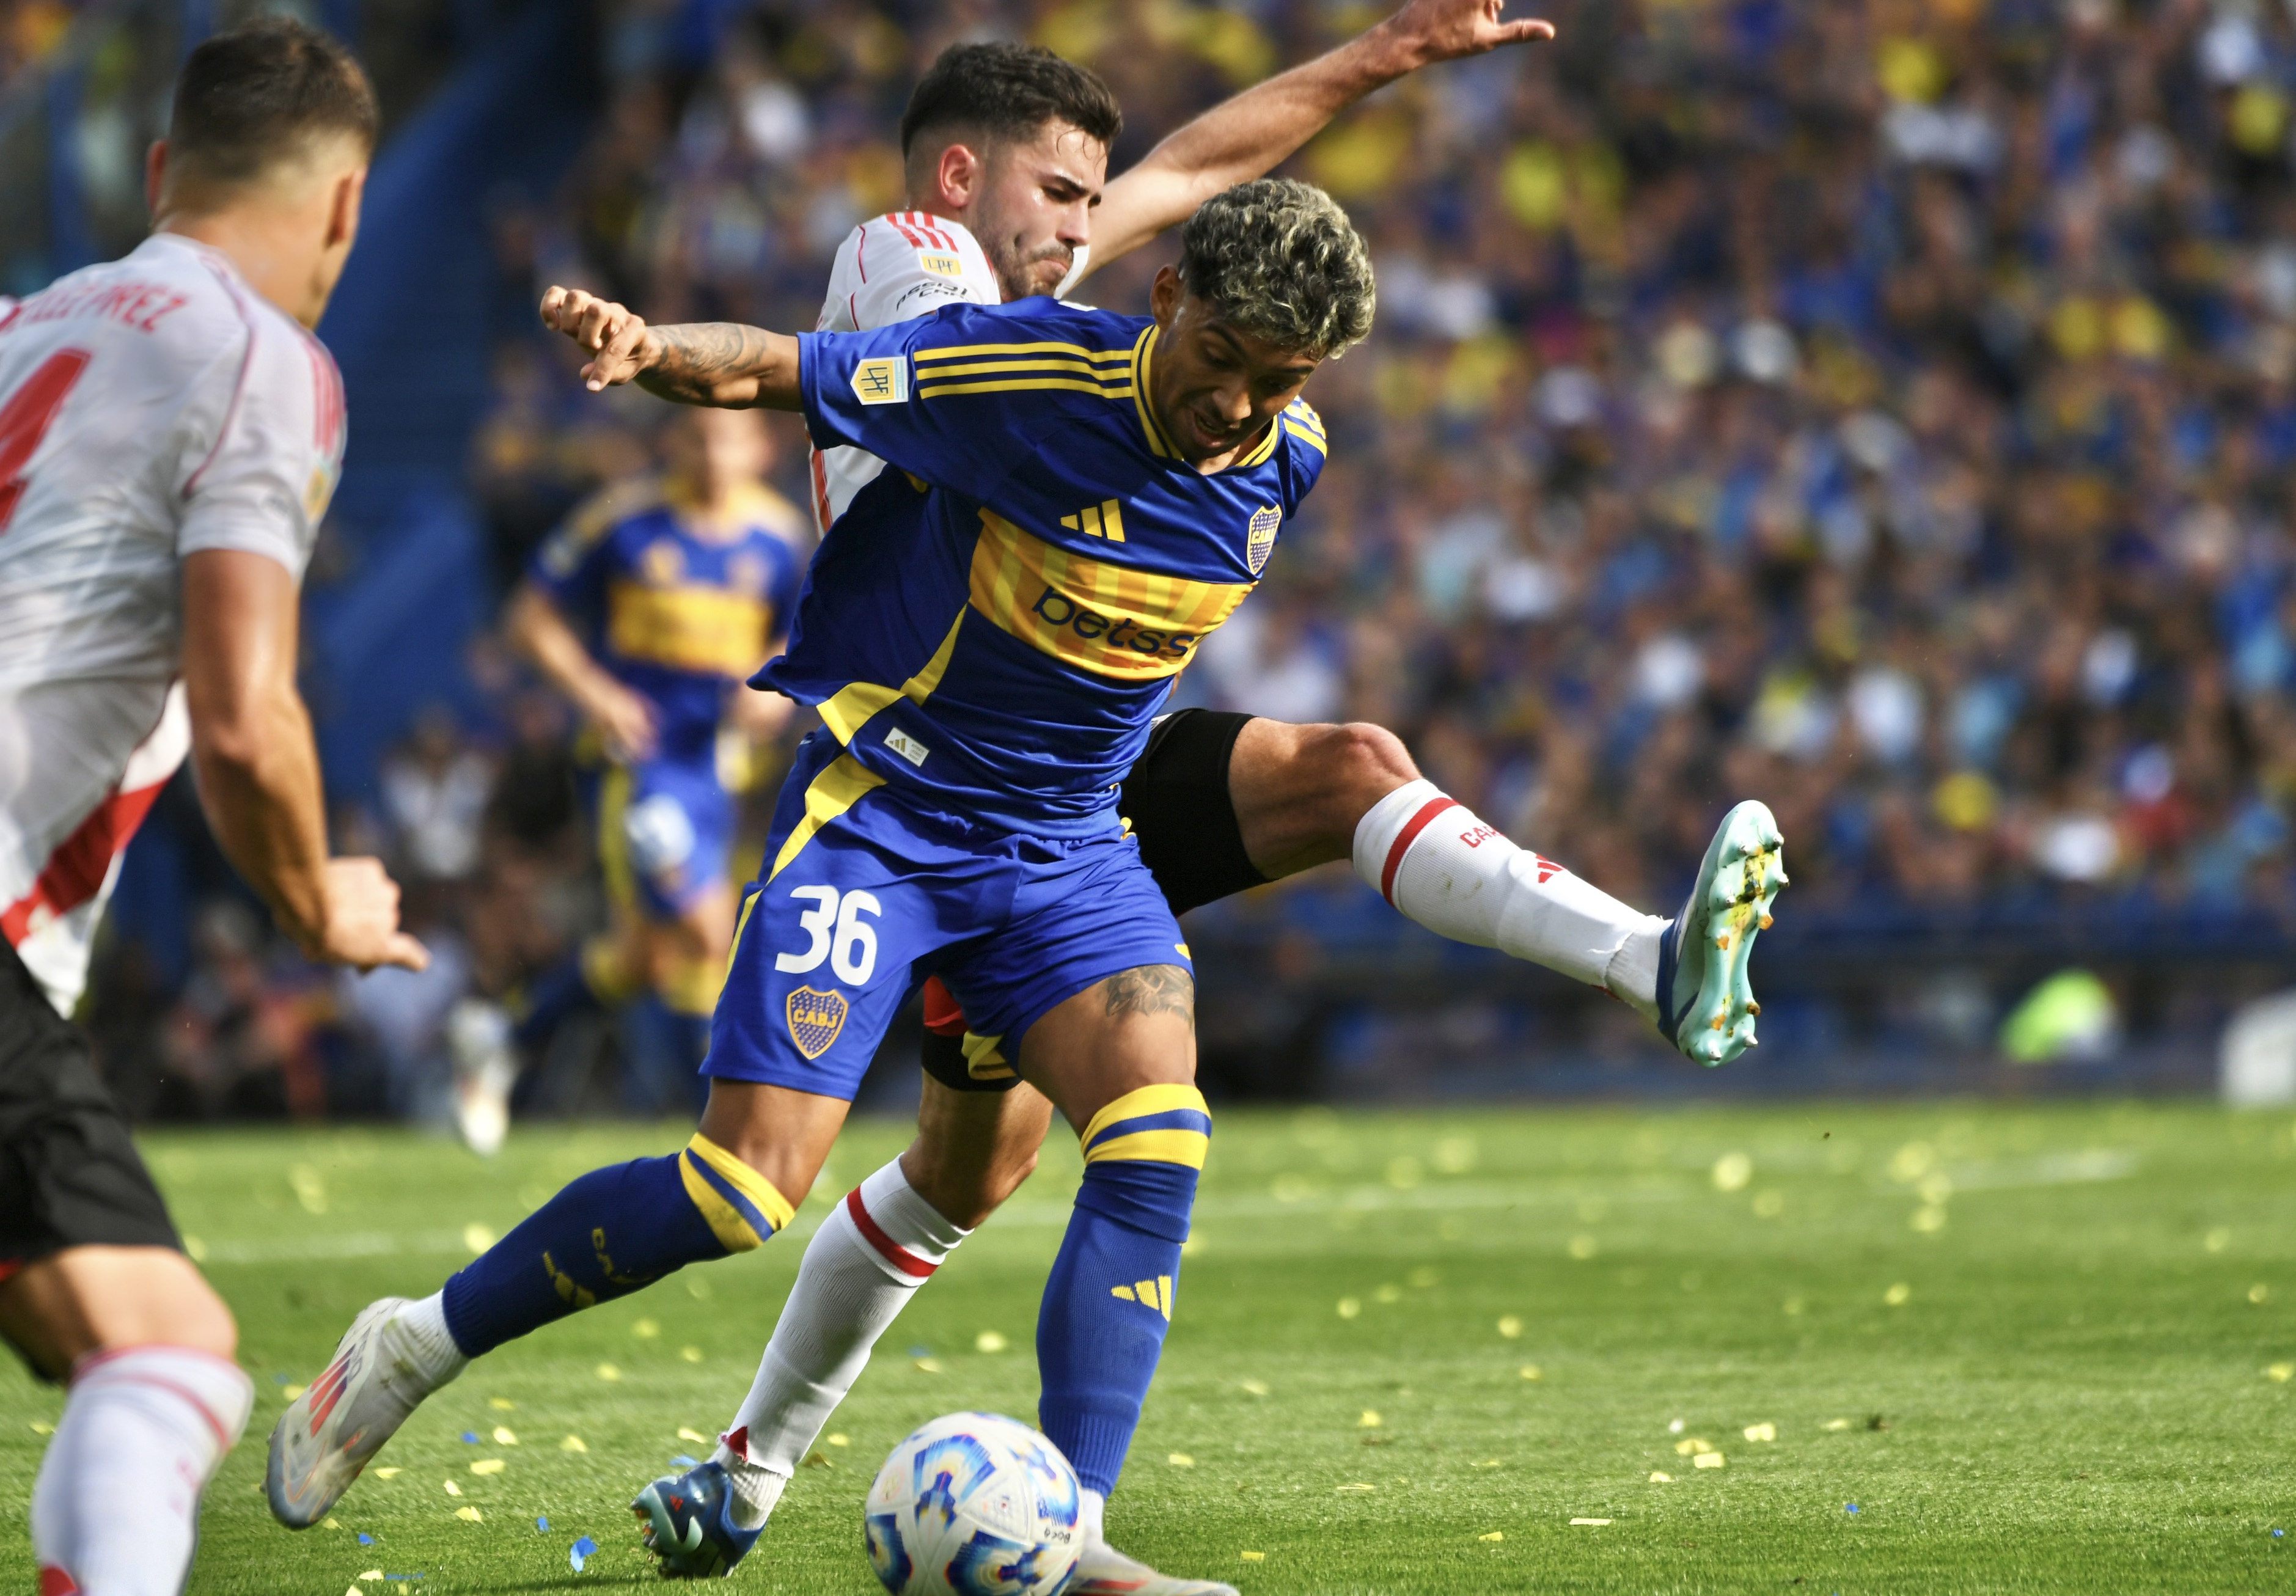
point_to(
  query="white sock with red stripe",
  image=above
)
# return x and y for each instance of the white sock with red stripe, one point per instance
(115, 1512)
(861, 1266)
(1433, 858)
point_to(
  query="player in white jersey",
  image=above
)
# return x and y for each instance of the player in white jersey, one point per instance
(170, 434)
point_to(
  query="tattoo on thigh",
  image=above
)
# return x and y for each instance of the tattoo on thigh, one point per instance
(1153, 989)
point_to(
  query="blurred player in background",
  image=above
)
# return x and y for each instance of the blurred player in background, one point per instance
(170, 432)
(649, 609)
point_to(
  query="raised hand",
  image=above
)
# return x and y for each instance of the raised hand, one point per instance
(1447, 29)
(620, 343)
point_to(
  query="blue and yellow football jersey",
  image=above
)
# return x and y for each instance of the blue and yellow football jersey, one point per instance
(992, 624)
(680, 612)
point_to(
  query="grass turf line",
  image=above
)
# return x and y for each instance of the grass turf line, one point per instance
(2076, 1391)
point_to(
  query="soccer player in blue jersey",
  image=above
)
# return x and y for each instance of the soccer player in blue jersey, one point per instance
(649, 608)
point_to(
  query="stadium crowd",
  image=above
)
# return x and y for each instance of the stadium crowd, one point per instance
(1878, 406)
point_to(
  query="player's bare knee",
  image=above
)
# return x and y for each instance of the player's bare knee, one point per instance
(1366, 763)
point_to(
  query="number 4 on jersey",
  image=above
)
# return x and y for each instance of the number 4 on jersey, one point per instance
(25, 419)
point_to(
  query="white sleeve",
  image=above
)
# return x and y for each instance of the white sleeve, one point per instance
(909, 264)
(264, 484)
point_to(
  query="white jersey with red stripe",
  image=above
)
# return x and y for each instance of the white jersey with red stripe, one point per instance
(892, 268)
(150, 408)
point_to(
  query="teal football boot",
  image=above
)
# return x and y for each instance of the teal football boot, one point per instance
(1706, 1003)
(687, 1524)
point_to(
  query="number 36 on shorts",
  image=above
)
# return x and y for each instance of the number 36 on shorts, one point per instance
(838, 934)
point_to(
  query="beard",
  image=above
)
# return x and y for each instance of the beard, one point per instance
(1023, 275)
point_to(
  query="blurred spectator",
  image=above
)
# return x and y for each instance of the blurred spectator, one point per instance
(434, 791)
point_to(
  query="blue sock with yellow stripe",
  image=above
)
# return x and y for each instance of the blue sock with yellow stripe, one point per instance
(611, 1233)
(1109, 1301)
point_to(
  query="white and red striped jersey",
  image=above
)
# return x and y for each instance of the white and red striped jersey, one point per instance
(888, 269)
(150, 408)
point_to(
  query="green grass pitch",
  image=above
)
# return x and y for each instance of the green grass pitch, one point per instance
(2040, 1348)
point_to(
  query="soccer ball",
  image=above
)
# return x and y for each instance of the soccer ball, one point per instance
(973, 1504)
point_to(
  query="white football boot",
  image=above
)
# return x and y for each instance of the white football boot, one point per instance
(335, 1428)
(1706, 1003)
(1103, 1571)
(486, 1067)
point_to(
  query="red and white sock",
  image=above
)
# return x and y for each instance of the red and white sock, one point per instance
(115, 1512)
(1442, 865)
(861, 1266)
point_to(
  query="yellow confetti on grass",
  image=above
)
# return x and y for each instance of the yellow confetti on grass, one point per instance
(1370, 1420)
(292, 1392)
(1496, 1534)
(572, 1443)
(2216, 1240)
(502, 1437)
(452, 1489)
(1533, 1371)
(41, 1427)
(1592, 1523)
(646, 1329)
(1510, 1327)
(692, 1354)
(1253, 1388)
(1493, 1464)
(1683, 1448)
(1583, 1248)
(1350, 1306)
(1899, 1295)
(477, 1237)
(330, 1523)
(371, 1573)
(2278, 1373)
(1835, 1424)
(1343, 1489)
(928, 1365)
(608, 1372)
(1731, 1171)
(1181, 1460)
(1254, 1557)
(470, 1513)
(502, 1404)
(390, 1473)
(2257, 1293)
(1657, 1478)
(488, 1466)
(1707, 1459)
(841, 1439)
(686, 1432)
(1761, 1432)
(989, 1341)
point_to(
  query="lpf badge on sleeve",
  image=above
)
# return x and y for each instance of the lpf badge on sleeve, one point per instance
(884, 381)
(1259, 536)
(815, 1019)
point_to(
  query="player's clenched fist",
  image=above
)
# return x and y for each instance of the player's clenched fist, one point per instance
(361, 923)
(616, 337)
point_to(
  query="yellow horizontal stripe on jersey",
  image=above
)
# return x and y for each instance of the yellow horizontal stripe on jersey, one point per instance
(689, 628)
(833, 792)
(1306, 437)
(934, 390)
(851, 705)
(1111, 620)
(1300, 411)
(973, 351)
(1119, 378)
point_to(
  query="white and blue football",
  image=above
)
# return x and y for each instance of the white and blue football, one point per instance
(973, 1504)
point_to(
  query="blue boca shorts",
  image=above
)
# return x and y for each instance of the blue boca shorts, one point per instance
(665, 832)
(864, 896)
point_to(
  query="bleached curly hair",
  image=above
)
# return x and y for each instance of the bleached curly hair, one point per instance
(1281, 260)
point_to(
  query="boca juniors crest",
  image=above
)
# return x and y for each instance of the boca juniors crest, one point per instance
(1259, 536)
(815, 1019)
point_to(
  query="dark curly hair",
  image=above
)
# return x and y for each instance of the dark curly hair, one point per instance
(1281, 260)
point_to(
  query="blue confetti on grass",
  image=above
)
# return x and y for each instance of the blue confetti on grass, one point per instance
(278, 1379)
(543, 1525)
(471, 1436)
(683, 1461)
(366, 1539)
(1848, 1506)
(580, 1552)
(2278, 1533)
(921, 1351)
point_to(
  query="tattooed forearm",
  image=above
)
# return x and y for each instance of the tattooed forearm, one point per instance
(722, 363)
(1153, 989)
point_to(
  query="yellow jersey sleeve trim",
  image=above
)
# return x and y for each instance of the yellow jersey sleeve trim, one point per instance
(1305, 435)
(833, 791)
(752, 1185)
(1261, 450)
(848, 709)
(1081, 385)
(1300, 411)
(972, 351)
(740, 925)
(1187, 1148)
(1145, 1099)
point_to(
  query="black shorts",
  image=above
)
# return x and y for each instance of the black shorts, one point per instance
(1176, 797)
(69, 1175)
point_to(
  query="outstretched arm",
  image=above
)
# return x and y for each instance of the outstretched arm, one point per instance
(721, 363)
(1241, 138)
